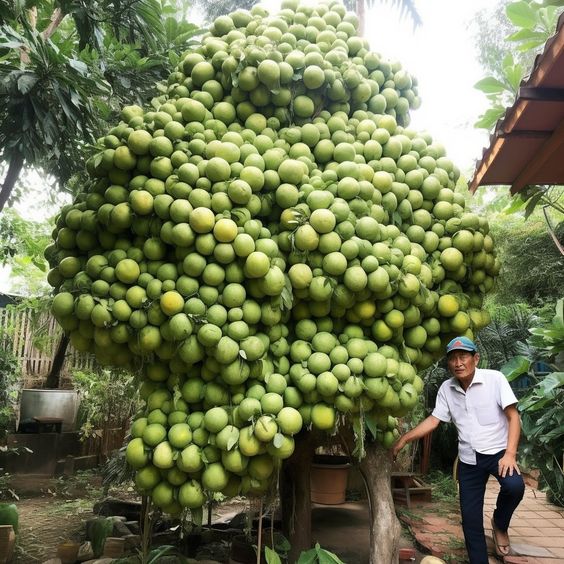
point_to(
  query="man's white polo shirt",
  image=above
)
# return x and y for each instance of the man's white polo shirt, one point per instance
(477, 412)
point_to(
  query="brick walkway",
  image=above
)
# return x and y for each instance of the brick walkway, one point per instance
(536, 532)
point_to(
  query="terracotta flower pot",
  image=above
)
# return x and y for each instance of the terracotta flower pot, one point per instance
(328, 479)
(7, 543)
(114, 547)
(68, 552)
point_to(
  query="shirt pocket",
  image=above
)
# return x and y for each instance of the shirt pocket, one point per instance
(487, 414)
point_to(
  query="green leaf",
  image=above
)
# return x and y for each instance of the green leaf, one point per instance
(79, 66)
(101, 528)
(548, 17)
(532, 203)
(308, 557)
(514, 76)
(530, 45)
(526, 35)
(197, 515)
(559, 315)
(271, 556)
(327, 557)
(521, 14)
(233, 440)
(26, 82)
(552, 381)
(490, 118)
(157, 553)
(516, 367)
(173, 58)
(490, 85)
(507, 61)
(278, 440)
(516, 205)
(370, 423)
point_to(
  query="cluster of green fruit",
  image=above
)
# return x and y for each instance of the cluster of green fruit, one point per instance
(272, 246)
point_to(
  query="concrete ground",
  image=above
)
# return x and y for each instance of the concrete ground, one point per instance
(536, 531)
(344, 530)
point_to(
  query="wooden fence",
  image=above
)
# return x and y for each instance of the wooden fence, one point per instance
(20, 331)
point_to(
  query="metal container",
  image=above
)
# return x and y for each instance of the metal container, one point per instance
(50, 403)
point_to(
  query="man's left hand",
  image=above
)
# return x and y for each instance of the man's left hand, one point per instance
(507, 465)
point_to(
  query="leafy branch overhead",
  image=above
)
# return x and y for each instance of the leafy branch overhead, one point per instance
(68, 67)
(535, 24)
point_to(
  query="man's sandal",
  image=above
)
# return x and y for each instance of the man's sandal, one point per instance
(500, 549)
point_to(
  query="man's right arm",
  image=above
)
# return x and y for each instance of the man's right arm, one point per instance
(424, 428)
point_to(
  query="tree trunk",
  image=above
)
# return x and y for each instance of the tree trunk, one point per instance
(53, 378)
(360, 13)
(14, 169)
(385, 528)
(295, 501)
(295, 493)
(376, 469)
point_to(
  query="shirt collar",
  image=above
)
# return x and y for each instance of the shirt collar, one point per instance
(478, 379)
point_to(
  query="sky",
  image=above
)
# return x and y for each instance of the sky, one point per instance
(441, 53)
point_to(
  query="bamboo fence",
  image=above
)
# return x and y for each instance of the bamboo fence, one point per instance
(18, 327)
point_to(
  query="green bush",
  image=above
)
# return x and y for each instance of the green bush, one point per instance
(542, 406)
(9, 388)
(108, 398)
(532, 268)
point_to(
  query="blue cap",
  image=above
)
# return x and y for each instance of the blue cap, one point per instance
(461, 344)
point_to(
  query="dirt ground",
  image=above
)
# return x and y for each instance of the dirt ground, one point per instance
(52, 511)
(46, 523)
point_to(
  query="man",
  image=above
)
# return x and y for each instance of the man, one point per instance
(483, 407)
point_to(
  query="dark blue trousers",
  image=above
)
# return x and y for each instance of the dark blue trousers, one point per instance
(472, 483)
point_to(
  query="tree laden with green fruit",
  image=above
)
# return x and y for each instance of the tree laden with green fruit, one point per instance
(67, 67)
(279, 253)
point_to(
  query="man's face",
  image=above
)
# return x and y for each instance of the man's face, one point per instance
(463, 364)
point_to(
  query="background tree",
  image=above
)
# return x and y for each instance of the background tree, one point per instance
(67, 67)
(532, 267)
(22, 243)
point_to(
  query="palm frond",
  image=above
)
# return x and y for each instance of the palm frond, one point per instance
(506, 335)
(406, 8)
(116, 470)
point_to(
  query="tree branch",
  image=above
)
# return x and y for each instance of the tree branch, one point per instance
(551, 231)
(56, 19)
(33, 17)
(14, 169)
